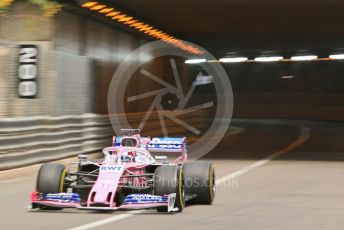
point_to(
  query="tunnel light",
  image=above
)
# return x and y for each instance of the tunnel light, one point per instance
(287, 77)
(268, 59)
(195, 61)
(233, 59)
(337, 56)
(106, 10)
(89, 4)
(98, 7)
(304, 58)
(140, 26)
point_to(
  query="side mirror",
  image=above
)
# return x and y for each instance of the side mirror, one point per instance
(82, 159)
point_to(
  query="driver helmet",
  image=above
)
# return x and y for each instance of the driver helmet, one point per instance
(127, 157)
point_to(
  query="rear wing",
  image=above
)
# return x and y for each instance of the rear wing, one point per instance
(167, 144)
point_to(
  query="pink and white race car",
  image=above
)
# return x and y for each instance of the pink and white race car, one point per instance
(136, 172)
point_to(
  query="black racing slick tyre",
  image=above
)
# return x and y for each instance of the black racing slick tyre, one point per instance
(199, 181)
(169, 179)
(50, 179)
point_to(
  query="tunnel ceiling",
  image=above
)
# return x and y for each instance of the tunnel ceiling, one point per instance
(225, 26)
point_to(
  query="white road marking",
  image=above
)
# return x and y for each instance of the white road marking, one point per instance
(305, 133)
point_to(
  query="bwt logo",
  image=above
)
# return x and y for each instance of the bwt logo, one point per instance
(111, 168)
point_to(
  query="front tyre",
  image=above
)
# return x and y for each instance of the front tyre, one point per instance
(169, 179)
(199, 180)
(50, 179)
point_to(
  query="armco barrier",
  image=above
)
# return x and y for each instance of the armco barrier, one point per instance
(26, 141)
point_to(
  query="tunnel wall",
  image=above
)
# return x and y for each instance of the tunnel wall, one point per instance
(24, 24)
(79, 54)
(77, 57)
(291, 90)
(299, 106)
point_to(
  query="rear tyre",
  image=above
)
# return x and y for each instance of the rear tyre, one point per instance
(169, 179)
(199, 180)
(50, 179)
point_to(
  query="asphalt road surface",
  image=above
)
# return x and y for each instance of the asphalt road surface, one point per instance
(270, 175)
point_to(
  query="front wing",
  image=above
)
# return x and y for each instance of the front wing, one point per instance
(132, 201)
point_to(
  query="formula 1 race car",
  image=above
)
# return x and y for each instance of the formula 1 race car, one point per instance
(136, 172)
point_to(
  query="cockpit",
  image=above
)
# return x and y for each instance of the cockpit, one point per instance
(127, 155)
(129, 142)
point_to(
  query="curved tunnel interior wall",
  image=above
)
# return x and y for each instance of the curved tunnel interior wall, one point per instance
(78, 55)
(298, 90)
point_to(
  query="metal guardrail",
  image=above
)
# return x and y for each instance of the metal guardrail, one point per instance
(26, 141)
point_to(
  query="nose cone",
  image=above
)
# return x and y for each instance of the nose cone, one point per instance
(103, 191)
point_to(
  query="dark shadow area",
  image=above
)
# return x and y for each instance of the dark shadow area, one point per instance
(261, 138)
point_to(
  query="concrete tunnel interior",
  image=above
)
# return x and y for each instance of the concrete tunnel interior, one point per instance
(255, 86)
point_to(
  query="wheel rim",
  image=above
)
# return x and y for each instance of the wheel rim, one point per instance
(63, 176)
